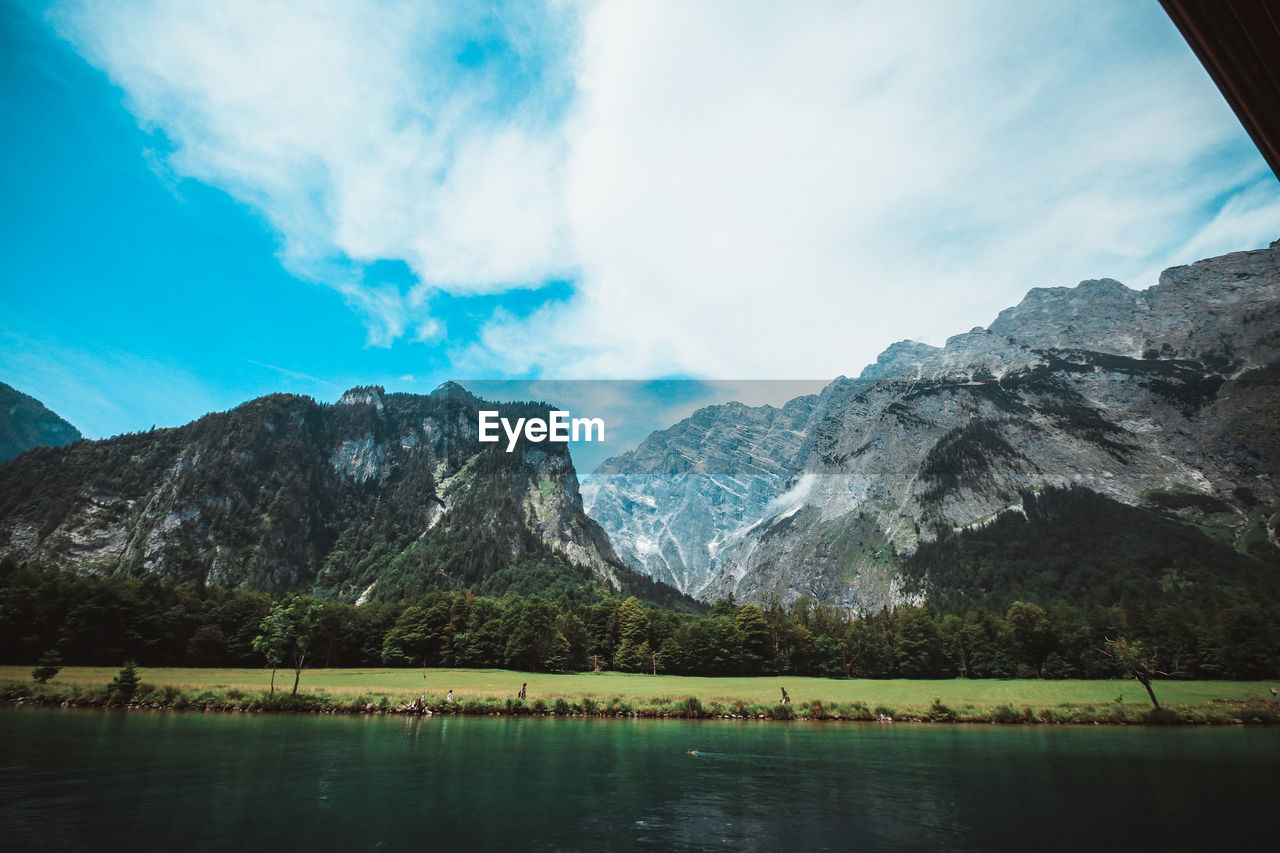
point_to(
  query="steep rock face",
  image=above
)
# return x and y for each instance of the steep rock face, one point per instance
(377, 495)
(26, 423)
(1221, 312)
(1122, 394)
(687, 493)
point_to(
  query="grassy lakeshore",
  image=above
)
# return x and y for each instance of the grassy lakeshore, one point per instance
(482, 691)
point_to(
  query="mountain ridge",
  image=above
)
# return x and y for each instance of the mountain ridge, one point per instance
(25, 422)
(1115, 391)
(382, 495)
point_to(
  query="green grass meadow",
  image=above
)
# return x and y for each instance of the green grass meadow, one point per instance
(903, 696)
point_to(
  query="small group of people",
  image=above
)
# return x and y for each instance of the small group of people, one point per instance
(523, 694)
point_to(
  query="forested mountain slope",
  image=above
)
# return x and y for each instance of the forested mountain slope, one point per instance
(379, 495)
(26, 423)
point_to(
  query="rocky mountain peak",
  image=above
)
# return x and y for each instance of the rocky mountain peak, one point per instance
(1188, 315)
(1093, 315)
(453, 391)
(364, 395)
(905, 358)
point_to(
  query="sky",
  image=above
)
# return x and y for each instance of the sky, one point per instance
(207, 202)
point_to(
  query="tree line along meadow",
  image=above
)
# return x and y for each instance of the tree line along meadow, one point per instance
(100, 620)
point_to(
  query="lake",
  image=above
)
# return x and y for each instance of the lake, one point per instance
(80, 779)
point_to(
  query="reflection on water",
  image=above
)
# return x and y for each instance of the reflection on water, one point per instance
(84, 779)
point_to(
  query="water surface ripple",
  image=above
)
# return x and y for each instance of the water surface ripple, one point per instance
(89, 780)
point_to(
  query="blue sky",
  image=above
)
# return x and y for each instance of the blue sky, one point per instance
(203, 203)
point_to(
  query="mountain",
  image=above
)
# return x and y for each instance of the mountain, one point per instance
(379, 495)
(26, 423)
(936, 471)
(674, 502)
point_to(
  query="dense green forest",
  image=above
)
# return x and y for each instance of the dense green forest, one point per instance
(106, 620)
(1077, 546)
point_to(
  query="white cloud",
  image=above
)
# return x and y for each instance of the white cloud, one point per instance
(738, 190)
(359, 131)
(782, 192)
(794, 497)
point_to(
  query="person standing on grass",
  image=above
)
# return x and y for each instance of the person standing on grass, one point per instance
(785, 700)
(523, 688)
(448, 697)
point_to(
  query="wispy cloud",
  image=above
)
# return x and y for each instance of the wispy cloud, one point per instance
(102, 392)
(735, 190)
(303, 377)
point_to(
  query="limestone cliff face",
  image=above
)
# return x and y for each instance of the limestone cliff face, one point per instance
(1221, 312)
(687, 494)
(1131, 395)
(378, 494)
(26, 423)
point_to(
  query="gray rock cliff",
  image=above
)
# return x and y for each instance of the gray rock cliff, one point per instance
(1126, 394)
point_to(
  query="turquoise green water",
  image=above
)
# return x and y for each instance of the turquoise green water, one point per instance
(94, 780)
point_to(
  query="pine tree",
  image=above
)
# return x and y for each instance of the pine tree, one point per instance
(47, 667)
(125, 684)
